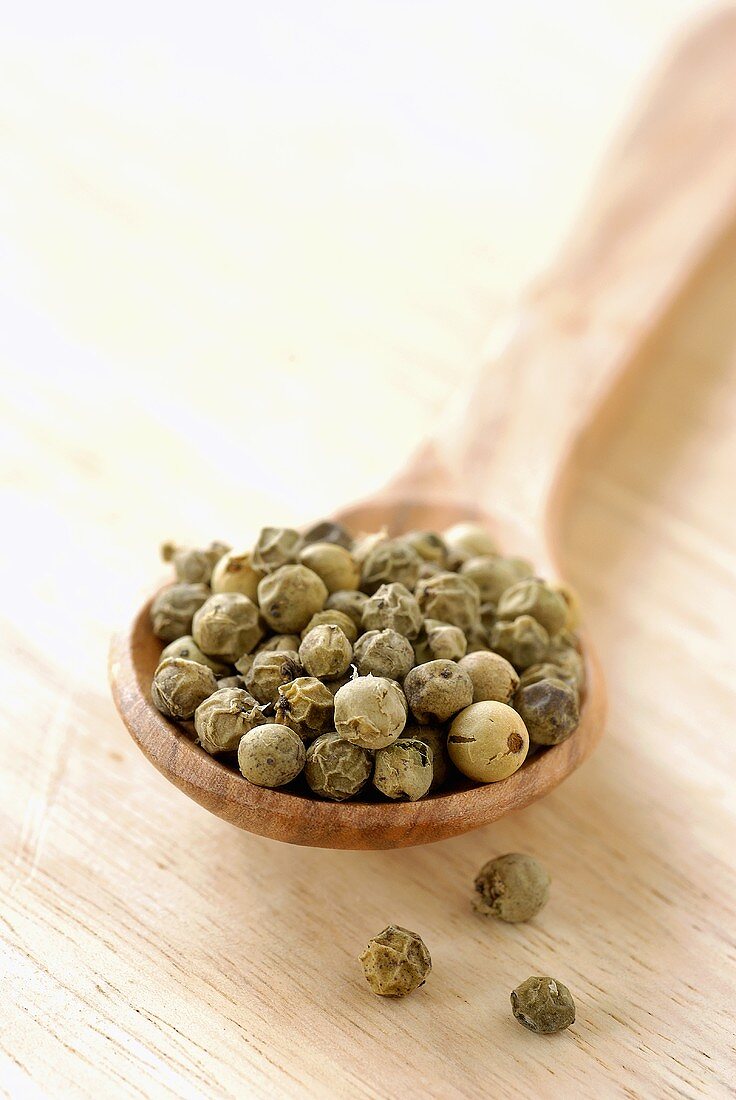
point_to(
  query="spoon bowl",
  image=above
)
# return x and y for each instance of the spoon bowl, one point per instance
(298, 817)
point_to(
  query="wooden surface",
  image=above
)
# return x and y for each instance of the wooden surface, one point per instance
(149, 949)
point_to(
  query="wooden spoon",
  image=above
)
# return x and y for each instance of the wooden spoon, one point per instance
(665, 197)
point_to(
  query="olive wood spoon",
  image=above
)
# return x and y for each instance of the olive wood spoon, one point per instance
(667, 194)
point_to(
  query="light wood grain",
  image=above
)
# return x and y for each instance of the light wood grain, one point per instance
(148, 949)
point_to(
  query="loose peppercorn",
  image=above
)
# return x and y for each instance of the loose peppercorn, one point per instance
(396, 962)
(492, 677)
(390, 562)
(513, 888)
(306, 706)
(450, 598)
(276, 546)
(535, 598)
(270, 671)
(334, 564)
(543, 1005)
(235, 572)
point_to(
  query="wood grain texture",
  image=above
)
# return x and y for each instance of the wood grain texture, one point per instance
(149, 949)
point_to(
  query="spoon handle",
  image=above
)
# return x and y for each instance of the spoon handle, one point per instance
(665, 196)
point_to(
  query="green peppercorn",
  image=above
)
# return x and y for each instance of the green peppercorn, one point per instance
(403, 769)
(392, 607)
(335, 768)
(179, 686)
(543, 1005)
(173, 609)
(396, 962)
(513, 888)
(437, 690)
(535, 598)
(549, 709)
(523, 641)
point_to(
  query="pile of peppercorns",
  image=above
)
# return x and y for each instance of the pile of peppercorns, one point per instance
(400, 662)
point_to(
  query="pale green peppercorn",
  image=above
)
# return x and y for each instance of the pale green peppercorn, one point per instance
(440, 640)
(334, 618)
(350, 603)
(227, 626)
(225, 717)
(403, 769)
(396, 962)
(493, 677)
(235, 572)
(471, 539)
(547, 671)
(383, 653)
(450, 598)
(335, 768)
(365, 543)
(370, 711)
(390, 562)
(393, 607)
(328, 531)
(512, 888)
(543, 1005)
(430, 546)
(334, 564)
(549, 709)
(289, 597)
(572, 602)
(173, 609)
(276, 546)
(566, 655)
(435, 737)
(179, 686)
(192, 566)
(492, 574)
(535, 598)
(271, 755)
(187, 648)
(523, 641)
(488, 741)
(270, 671)
(437, 690)
(325, 652)
(306, 706)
